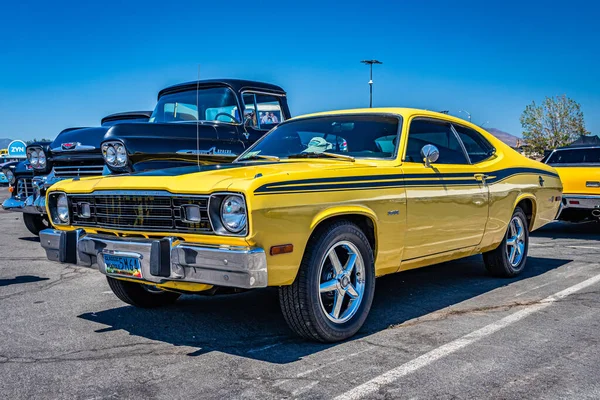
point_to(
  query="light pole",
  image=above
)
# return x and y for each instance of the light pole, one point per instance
(466, 112)
(370, 63)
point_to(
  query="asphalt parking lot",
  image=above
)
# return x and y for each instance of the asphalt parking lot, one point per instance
(447, 331)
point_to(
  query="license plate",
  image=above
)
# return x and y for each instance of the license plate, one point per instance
(122, 265)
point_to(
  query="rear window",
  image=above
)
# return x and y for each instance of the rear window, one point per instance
(575, 156)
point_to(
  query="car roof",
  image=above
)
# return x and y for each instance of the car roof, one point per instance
(236, 85)
(401, 111)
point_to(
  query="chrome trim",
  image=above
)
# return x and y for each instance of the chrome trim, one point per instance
(586, 202)
(232, 266)
(213, 151)
(12, 204)
(78, 147)
(109, 218)
(244, 232)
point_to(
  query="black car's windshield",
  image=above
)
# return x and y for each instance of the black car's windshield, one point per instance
(575, 156)
(358, 136)
(206, 104)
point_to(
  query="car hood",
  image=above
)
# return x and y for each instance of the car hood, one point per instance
(241, 177)
(576, 178)
(84, 136)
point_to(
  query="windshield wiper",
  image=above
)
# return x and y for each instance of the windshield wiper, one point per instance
(260, 157)
(326, 154)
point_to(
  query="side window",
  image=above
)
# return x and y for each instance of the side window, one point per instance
(264, 109)
(477, 147)
(438, 133)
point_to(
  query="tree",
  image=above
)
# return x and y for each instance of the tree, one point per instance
(558, 121)
(35, 140)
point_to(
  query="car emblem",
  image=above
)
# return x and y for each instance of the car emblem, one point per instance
(69, 145)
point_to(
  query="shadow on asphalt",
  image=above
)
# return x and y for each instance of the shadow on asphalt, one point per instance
(251, 324)
(566, 230)
(21, 279)
(31, 239)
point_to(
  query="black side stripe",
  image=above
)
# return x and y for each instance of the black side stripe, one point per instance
(390, 181)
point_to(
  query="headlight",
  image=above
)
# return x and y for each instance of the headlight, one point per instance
(233, 214)
(33, 158)
(59, 208)
(10, 177)
(41, 159)
(37, 158)
(115, 154)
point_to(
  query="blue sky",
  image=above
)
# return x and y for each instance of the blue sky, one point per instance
(70, 63)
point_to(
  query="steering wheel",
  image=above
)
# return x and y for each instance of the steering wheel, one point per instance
(234, 119)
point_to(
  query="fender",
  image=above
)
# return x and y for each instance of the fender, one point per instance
(347, 210)
(533, 199)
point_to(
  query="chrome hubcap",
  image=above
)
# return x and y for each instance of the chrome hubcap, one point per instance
(342, 282)
(515, 242)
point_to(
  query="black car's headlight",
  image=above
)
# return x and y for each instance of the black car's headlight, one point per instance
(37, 157)
(115, 154)
(58, 204)
(10, 176)
(228, 214)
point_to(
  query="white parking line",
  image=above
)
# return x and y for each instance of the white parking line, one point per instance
(386, 378)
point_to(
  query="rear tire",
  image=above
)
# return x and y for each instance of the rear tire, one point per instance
(140, 295)
(508, 259)
(338, 257)
(35, 223)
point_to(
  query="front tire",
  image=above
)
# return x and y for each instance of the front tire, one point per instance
(333, 291)
(509, 259)
(140, 295)
(35, 223)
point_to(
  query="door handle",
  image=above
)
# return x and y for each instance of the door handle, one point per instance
(481, 177)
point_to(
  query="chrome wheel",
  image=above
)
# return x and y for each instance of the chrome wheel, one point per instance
(342, 282)
(515, 241)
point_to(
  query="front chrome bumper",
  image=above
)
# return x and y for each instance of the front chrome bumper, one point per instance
(31, 205)
(162, 260)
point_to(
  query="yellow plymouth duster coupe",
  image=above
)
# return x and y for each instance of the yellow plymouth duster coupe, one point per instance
(319, 207)
(579, 170)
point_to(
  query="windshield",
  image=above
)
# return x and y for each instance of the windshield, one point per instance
(575, 156)
(211, 104)
(364, 136)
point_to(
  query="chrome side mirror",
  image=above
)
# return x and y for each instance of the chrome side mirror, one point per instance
(430, 154)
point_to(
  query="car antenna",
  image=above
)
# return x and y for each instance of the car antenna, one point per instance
(198, 118)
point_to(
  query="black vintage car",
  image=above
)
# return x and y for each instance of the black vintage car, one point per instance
(205, 122)
(28, 184)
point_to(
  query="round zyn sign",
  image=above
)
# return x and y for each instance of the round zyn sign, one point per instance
(17, 149)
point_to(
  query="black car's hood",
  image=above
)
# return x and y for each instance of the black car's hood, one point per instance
(83, 136)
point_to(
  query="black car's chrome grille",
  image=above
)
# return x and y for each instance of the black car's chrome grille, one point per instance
(24, 188)
(140, 212)
(71, 171)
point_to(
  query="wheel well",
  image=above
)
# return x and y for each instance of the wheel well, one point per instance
(362, 221)
(527, 207)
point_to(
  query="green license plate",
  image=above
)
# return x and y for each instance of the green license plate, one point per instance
(122, 265)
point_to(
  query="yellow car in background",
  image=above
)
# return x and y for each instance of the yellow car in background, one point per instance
(318, 207)
(579, 170)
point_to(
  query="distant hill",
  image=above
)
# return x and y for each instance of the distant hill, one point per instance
(4, 142)
(506, 137)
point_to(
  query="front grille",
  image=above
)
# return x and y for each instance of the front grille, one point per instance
(140, 212)
(72, 171)
(24, 188)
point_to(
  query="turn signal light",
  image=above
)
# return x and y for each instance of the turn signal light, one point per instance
(282, 249)
(11, 189)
